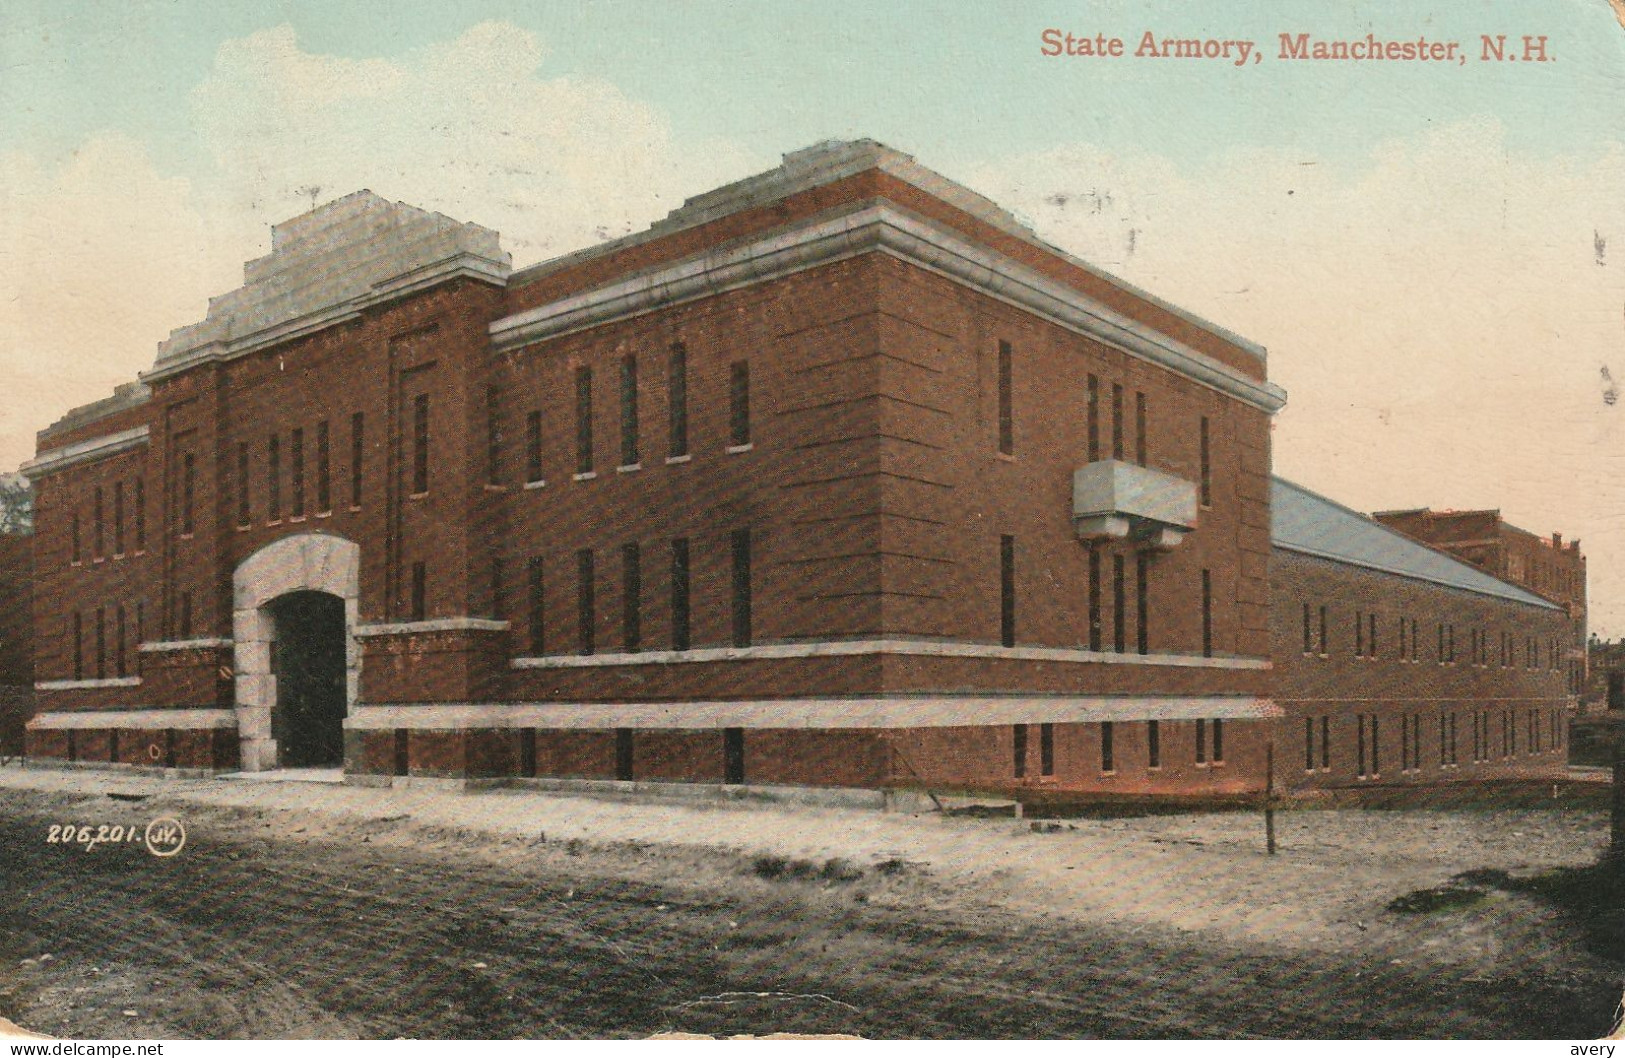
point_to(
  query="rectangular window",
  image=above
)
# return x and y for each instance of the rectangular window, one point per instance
(1372, 623)
(420, 591)
(1326, 743)
(1142, 604)
(679, 594)
(631, 598)
(98, 537)
(537, 608)
(118, 517)
(1201, 741)
(740, 540)
(623, 754)
(1441, 644)
(533, 446)
(243, 502)
(186, 615)
(1218, 741)
(101, 643)
(420, 444)
(296, 471)
(1308, 743)
(1450, 642)
(78, 554)
(585, 606)
(1119, 605)
(677, 403)
(1094, 597)
(78, 646)
(1444, 757)
(739, 404)
(493, 435)
(273, 479)
(583, 420)
(1018, 746)
(1323, 631)
(119, 645)
(1046, 749)
(1359, 634)
(1139, 428)
(1007, 590)
(629, 411)
(324, 469)
(140, 515)
(358, 448)
(499, 590)
(1376, 748)
(1308, 637)
(1108, 749)
(1117, 421)
(1207, 615)
(1153, 744)
(1007, 418)
(1094, 418)
(1359, 721)
(1207, 466)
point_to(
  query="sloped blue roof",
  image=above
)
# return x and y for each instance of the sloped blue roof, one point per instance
(1311, 524)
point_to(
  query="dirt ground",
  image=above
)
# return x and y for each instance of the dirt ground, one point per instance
(298, 909)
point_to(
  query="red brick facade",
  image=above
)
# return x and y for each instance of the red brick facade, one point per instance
(838, 477)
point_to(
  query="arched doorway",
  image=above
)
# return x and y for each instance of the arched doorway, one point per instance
(307, 659)
(306, 588)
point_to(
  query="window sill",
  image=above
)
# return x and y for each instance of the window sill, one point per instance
(273, 521)
(355, 508)
(734, 450)
(673, 460)
(417, 495)
(532, 485)
(99, 559)
(296, 519)
(492, 487)
(118, 556)
(628, 468)
(1008, 457)
(590, 475)
(244, 528)
(324, 514)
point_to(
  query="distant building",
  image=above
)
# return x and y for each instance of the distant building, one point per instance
(1397, 662)
(1547, 566)
(837, 476)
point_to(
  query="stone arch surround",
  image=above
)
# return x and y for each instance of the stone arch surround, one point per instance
(307, 562)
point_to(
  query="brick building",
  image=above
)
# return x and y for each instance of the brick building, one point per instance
(1396, 662)
(836, 476)
(1547, 566)
(16, 639)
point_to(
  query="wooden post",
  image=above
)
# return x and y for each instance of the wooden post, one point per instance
(1269, 798)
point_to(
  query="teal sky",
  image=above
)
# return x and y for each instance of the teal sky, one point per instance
(955, 81)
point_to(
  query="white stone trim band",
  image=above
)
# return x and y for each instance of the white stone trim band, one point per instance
(909, 238)
(869, 647)
(140, 719)
(158, 645)
(805, 713)
(442, 624)
(87, 685)
(86, 451)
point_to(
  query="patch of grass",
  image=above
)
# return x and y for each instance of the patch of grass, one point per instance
(1439, 898)
(840, 870)
(836, 869)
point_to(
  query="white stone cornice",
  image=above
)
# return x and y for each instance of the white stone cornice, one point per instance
(441, 624)
(85, 451)
(893, 711)
(871, 647)
(157, 646)
(87, 685)
(891, 230)
(134, 719)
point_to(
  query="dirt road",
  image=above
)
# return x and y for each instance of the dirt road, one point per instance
(284, 917)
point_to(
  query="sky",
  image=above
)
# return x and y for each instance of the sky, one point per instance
(1432, 251)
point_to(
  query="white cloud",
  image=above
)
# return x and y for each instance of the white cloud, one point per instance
(471, 128)
(1437, 312)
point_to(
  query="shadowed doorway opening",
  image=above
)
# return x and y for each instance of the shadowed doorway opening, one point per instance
(307, 659)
